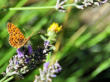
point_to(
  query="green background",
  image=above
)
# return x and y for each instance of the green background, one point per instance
(82, 47)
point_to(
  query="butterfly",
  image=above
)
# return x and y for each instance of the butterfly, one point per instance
(16, 37)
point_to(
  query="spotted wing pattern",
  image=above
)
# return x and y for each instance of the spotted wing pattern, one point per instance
(16, 37)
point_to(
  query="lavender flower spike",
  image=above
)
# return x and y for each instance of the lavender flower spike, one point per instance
(48, 72)
(23, 62)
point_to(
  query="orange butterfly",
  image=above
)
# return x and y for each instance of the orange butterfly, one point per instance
(16, 37)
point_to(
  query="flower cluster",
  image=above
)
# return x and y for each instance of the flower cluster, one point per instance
(26, 60)
(50, 38)
(85, 3)
(59, 5)
(48, 72)
(55, 27)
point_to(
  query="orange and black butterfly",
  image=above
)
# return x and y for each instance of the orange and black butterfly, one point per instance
(16, 37)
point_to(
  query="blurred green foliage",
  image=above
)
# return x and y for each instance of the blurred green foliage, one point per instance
(83, 45)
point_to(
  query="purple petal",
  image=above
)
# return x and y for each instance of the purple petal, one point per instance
(20, 54)
(46, 66)
(29, 49)
(46, 43)
(57, 70)
(53, 75)
(57, 65)
(104, 1)
(17, 62)
(27, 60)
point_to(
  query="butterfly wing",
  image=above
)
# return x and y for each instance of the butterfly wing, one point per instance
(16, 37)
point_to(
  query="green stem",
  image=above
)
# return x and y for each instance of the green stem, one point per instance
(48, 57)
(2, 80)
(31, 8)
(35, 8)
(68, 5)
(10, 78)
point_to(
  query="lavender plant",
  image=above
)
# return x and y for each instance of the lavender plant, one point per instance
(50, 38)
(28, 59)
(81, 4)
(24, 61)
(60, 5)
(49, 70)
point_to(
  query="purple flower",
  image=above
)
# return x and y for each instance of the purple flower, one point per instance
(46, 66)
(46, 43)
(27, 60)
(58, 67)
(53, 75)
(20, 54)
(17, 62)
(104, 1)
(29, 49)
(48, 72)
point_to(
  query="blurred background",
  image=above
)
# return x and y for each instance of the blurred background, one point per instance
(82, 47)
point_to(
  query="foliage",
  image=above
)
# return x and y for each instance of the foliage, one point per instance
(82, 46)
